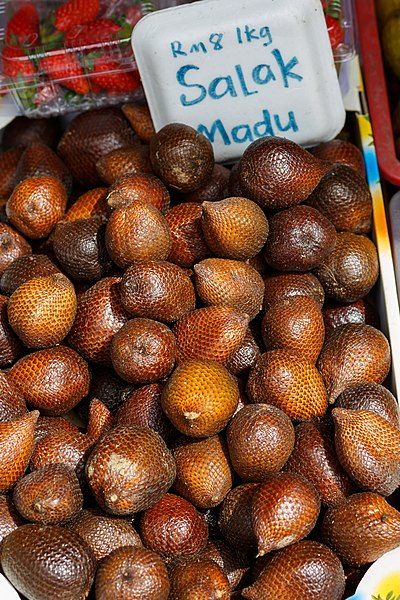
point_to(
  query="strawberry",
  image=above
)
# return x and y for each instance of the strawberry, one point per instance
(95, 32)
(16, 62)
(66, 69)
(107, 73)
(23, 27)
(335, 31)
(75, 12)
(133, 14)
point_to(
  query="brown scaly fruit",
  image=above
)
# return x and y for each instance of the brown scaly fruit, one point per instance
(188, 242)
(140, 119)
(351, 269)
(36, 205)
(344, 197)
(368, 447)
(234, 563)
(143, 351)
(279, 286)
(233, 283)
(123, 161)
(245, 355)
(51, 495)
(100, 419)
(299, 239)
(173, 527)
(157, 290)
(138, 186)
(99, 316)
(89, 204)
(12, 402)
(132, 573)
(353, 354)
(361, 528)
(47, 561)
(314, 457)
(107, 387)
(70, 448)
(22, 131)
(235, 227)
(41, 311)
(373, 397)
(284, 510)
(200, 397)
(10, 519)
(24, 268)
(215, 188)
(181, 157)
(129, 470)
(204, 473)
(16, 446)
(53, 380)
(291, 383)
(11, 346)
(142, 407)
(79, 246)
(296, 324)
(13, 245)
(235, 521)
(295, 568)
(277, 173)
(260, 440)
(210, 333)
(137, 232)
(103, 533)
(8, 166)
(336, 314)
(88, 137)
(38, 160)
(46, 425)
(342, 152)
(198, 577)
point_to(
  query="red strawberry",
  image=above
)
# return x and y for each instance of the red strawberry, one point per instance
(66, 69)
(335, 31)
(133, 14)
(23, 27)
(95, 32)
(76, 12)
(108, 74)
(16, 62)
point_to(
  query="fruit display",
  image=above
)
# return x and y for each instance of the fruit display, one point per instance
(69, 55)
(192, 369)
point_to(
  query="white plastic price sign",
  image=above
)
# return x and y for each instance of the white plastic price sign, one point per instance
(238, 70)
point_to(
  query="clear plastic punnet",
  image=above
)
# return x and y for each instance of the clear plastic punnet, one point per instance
(62, 56)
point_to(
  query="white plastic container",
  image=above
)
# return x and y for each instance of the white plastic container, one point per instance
(237, 71)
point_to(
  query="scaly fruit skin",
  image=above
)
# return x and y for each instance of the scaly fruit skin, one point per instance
(75, 12)
(104, 533)
(361, 528)
(284, 510)
(368, 447)
(48, 561)
(66, 68)
(23, 27)
(307, 569)
(16, 447)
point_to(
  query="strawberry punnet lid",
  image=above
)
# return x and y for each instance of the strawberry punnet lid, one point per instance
(237, 71)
